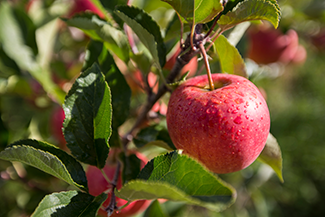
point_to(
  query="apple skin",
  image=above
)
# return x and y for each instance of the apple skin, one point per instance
(97, 184)
(225, 129)
(268, 45)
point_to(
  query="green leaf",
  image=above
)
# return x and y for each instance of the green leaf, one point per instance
(114, 39)
(88, 112)
(13, 44)
(154, 210)
(147, 31)
(201, 11)
(120, 90)
(47, 158)
(179, 178)
(131, 168)
(70, 203)
(93, 52)
(251, 10)
(231, 61)
(154, 135)
(230, 5)
(271, 155)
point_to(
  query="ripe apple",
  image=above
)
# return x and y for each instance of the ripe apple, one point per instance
(268, 45)
(226, 128)
(97, 184)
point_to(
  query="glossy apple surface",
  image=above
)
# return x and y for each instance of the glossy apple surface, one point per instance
(97, 184)
(225, 129)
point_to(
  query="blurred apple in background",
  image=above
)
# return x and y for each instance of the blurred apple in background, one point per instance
(268, 45)
(56, 122)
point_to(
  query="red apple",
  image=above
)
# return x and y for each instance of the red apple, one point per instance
(97, 184)
(268, 45)
(56, 121)
(226, 128)
(191, 66)
(85, 5)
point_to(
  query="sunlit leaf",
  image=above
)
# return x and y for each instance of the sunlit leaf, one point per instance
(114, 39)
(179, 178)
(47, 158)
(147, 31)
(231, 61)
(201, 11)
(251, 10)
(70, 203)
(88, 113)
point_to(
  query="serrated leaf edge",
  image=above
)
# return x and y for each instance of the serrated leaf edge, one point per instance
(46, 152)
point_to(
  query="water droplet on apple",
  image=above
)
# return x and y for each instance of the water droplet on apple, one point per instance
(234, 112)
(247, 117)
(238, 120)
(233, 152)
(232, 129)
(239, 100)
(229, 110)
(238, 132)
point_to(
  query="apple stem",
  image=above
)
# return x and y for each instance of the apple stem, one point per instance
(207, 65)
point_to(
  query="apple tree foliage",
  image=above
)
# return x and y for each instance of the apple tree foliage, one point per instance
(98, 103)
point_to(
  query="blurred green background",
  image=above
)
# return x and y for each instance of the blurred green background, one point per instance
(295, 95)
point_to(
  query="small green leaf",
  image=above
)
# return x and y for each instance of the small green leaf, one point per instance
(231, 61)
(147, 31)
(114, 39)
(70, 203)
(251, 10)
(271, 155)
(201, 11)
(88, 111)
(179, 178)
(47, 158)
(154, 135)
(154, 210)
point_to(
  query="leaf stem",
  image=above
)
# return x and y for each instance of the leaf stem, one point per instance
(207, 65)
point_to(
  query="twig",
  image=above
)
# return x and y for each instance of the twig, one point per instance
(112, 204)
